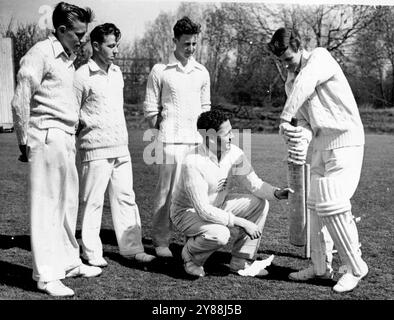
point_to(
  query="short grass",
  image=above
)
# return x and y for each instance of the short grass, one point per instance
(167, 280)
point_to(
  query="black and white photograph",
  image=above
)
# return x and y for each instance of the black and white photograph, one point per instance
(199, 157)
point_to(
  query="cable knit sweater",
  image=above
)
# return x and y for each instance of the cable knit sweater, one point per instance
(204, 184)
(321, 95)
(179, 94)
(44, 93)
(103, 126)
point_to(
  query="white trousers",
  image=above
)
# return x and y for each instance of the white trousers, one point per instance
(169, 163)
(53, 185)
(117, 175)
(345, 164)
(204, 237)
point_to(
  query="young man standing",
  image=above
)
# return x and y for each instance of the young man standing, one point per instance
(103, 146)
(176, 94)
(46, 117)
(203, 209)
(319, 95)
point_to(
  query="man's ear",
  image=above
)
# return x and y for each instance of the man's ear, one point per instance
(62, 29)
(95, 46)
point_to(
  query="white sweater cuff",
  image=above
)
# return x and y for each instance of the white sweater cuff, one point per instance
(230, 220)
(286, 116)
(150, 114)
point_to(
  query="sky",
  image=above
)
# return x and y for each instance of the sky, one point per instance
(131, 16)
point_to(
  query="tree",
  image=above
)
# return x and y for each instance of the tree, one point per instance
(156, 44)
(385, 29)
(334, 27)
(233, 46)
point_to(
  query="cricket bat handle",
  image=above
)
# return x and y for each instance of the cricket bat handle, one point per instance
(297, 208)
(294, 122)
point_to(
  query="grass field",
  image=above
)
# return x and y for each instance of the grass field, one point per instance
(167, 280)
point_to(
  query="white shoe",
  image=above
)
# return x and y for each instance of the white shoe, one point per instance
(141, 257)
(55, 288)
(349, 281)
(163, 252)
(84, 271)
(250, 267)
(98, 262)
(308, 274)
(251, 270)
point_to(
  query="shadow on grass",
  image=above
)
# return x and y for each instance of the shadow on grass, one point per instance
(216, 265)
(282, 254)
(281, 273)
(172, 267)
(15, 275)
(21, 241)
(107, 236)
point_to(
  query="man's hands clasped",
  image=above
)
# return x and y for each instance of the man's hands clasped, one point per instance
(250, 228)
(296, 142)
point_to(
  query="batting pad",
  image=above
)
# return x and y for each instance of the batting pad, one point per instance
(321, 255)
(333, 209)
(330, 197)
(321, 245)
(346, 244)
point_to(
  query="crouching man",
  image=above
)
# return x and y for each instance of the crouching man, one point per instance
(203, 209)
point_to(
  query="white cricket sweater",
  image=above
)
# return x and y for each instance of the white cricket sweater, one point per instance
(44, 93)
(322, 96)
(204, 184)
(179, 94)
(103, 126)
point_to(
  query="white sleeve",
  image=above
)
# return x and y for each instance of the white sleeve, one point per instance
(245, 174)
(320, 67)
(206, 93)
(29, 79)
(79, 88)
(152, 103)
(304, 124)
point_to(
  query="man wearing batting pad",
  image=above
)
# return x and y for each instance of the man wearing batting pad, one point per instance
(319, 96)
(203, 209)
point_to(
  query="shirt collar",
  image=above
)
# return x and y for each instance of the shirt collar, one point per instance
(58, 48)
(304, 59)
(191, 63)
(94, 67)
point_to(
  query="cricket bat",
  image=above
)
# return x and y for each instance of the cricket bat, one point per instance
(297, 201)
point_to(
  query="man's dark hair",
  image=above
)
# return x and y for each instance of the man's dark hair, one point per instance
(99, 32)
(212, 119)
(66, 14)
(282, 39)
(186, 26)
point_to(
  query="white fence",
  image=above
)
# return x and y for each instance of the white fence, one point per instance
(7, 82)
